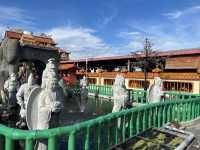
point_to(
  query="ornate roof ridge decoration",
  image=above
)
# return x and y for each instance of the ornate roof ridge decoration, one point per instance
(156, 70)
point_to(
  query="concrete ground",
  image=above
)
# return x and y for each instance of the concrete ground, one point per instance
(194, 127)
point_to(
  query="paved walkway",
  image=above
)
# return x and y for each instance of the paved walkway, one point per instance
(194, 127)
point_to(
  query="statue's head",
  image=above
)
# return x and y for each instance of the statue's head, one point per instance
(83, 82)
(51, 60)
(31, 79)
(51, 65)
(52, 84)
(119, 81)
(13, 76)
(157, 81)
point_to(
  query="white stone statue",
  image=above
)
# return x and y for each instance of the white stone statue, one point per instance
(154, 92)
(64, 87)
(50, 68)
(83, 93)
(22, 97)
(120, 93)
(44, 105)
(11, 87)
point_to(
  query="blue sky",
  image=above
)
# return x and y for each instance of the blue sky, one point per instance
(95, 28)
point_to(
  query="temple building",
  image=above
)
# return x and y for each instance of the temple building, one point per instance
(180, 70)
(22, 52)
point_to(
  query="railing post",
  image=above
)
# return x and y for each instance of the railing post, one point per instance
(168, 113)
(179, 112)
(154, 116)
(189, 111)
(150, 115)
(144, 120)
(52, 143)
(138, 122)
(97, 137)
(87, 140)
(116, 132)
(124, 128)
(131, 126)
(184, 112)
(164, 115)
(107, 135)
(9, 143)
(173, 112)
(29, 144)
(159, 116)
(71, 141)
(193, 110)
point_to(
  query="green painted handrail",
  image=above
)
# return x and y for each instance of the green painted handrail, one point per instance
(138, 95)
(106, 131)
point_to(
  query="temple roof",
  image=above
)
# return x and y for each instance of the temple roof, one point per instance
(67, 66)
(26, 37)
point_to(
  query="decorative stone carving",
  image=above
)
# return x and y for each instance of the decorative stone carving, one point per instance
(83, 93)
(120, 93)
(11, 87)
(22, 97)
(154, 92)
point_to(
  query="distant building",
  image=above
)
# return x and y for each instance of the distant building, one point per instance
(68, 73)
(181, 70)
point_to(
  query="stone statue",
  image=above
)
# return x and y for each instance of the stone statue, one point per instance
(83, 93)
(22, 98)
(50, 102)
(45, 104)
(11, 87)
(50, 68)
(154, 92)
(120, 93)
(64, 87)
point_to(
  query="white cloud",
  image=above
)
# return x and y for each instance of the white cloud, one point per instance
(174, 15)
(181, 34)
(80, 41)
(14, 17)
(108, 13)
(9, 13)
(128, 34)
(179, 13)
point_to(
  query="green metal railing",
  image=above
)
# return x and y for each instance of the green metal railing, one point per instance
(101, 90)
(138, 95)
(106, 131)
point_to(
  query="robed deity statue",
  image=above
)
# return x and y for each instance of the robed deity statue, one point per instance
(11, 87)
(50, 68)
(154, 92)
(45, 103)
(83, 93)
(120, 93)
(22, 98)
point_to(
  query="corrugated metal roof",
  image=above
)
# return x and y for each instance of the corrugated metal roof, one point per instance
(157, 53)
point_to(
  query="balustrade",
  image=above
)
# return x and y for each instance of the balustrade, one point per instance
(106, 131)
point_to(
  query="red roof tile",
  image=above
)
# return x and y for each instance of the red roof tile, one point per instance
(67, 66)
